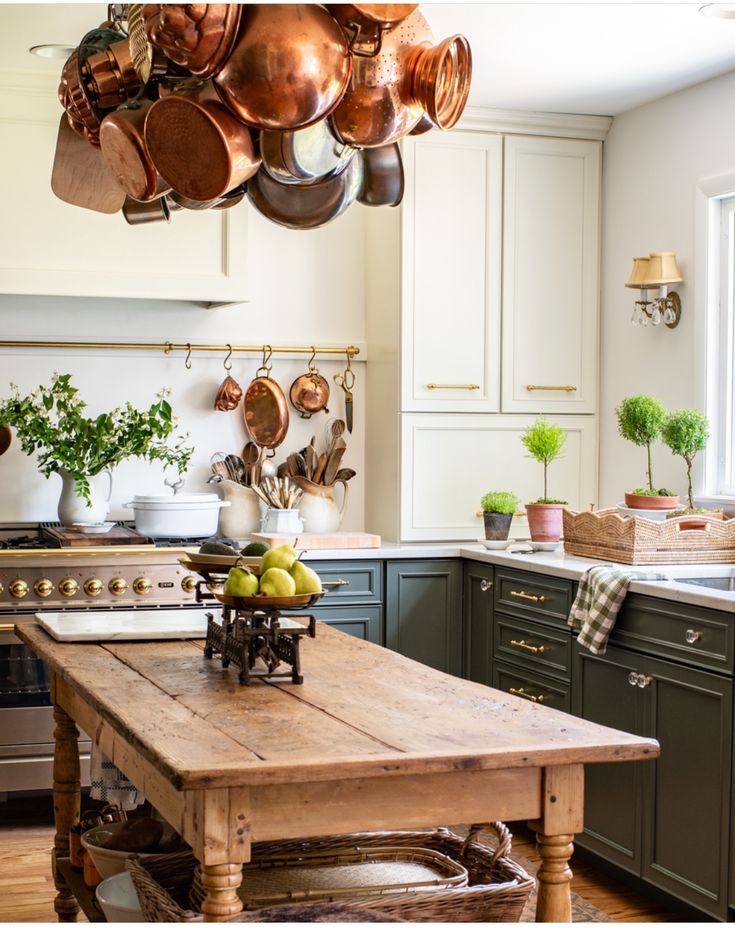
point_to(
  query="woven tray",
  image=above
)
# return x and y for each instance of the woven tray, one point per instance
(496, 891)
(608, 535)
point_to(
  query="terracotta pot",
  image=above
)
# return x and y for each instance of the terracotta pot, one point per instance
(697, 522)
(545, 522)
(497, 527)
(652, 502)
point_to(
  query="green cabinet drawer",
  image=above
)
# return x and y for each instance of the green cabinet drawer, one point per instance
(362, 621)
(533, 595)
(698, 636)
(532, 686)
(541, 648)
(363, 580)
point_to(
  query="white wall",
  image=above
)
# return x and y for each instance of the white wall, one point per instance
(653, 158)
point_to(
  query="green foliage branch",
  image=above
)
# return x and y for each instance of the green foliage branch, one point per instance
(686, 433)
(641, 419)
(545, 443)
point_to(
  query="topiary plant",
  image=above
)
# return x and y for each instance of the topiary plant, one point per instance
(545, 443)
(641, 420)
(499, 503)
(686, 433)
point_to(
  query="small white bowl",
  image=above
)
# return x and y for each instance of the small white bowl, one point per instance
(101, 528)
(495, 544)
(118, 899)
(653, 514)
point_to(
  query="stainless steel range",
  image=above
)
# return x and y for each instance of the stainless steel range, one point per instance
(36, 574)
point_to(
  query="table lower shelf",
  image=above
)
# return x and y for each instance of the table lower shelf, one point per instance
(83, 895)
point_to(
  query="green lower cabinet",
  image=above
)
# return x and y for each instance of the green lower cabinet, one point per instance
(423, 612)
(667, 820)
(477, 607)
(363, 621)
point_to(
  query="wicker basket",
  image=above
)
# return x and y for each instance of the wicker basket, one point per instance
(608, 535)
(497, 887)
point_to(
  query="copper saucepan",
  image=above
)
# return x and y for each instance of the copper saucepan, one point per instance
(265, 409)
(124, 150)
(289, 67)
(304, 155)
(138, 212)
(309, 393)
(197, 36)
(365, 23)
(197, 145)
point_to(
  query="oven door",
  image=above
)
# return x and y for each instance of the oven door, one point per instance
(26, 717)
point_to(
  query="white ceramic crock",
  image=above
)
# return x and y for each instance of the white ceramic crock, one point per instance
(177, 515)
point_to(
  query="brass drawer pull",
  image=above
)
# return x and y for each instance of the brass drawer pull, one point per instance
(471, 387)
(529, 596)
(334, 583)
(529, 647)
(692, 636)
(4, 627)
(522, 692)
(551, 388)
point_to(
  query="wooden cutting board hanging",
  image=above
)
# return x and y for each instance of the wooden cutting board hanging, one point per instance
(80, 176)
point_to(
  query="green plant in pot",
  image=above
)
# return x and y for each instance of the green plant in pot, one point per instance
(641, 419)
(686, 434)
(51, 423)
(545, 443)
(498, 509)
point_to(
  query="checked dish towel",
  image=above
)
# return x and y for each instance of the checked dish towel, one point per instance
(602, 589)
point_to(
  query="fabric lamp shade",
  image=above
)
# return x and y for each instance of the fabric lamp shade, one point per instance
(639, 273)
(662, 270)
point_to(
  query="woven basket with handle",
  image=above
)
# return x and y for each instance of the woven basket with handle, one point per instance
(496, 891)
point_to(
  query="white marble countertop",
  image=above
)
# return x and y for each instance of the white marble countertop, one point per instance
(560, 565)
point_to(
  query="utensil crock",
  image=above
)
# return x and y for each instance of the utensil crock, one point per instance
(318, 506)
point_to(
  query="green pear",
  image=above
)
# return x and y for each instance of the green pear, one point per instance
(241, 582)
(305, 578)
(281, 557)
(277, 582)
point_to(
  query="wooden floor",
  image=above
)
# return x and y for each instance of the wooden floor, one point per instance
(27, 890)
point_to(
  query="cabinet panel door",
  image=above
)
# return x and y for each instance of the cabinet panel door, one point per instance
(362, 621)
(532, 686)
(550, 274)
(612, 792)
(448, 462)
(451, 272)
(477, 606)
(688, 788)
(423, 612)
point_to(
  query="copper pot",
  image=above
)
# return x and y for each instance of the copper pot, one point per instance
(309, 393)
(289, 68)
(265, 411)
(197, 36)
(124, 150)
(383, 181)
(197, 145)
(390, 92)
(365, 23)
(137, 212)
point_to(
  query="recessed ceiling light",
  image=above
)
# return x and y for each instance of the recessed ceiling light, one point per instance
(721, 10)
(52, 51)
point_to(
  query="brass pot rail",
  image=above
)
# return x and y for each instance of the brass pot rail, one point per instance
(169, 347)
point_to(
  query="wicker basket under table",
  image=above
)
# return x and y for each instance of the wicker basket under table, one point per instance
(497, 887)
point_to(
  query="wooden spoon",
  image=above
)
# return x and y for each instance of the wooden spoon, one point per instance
(6, 436)
(335, 460)
(321, 465)
(344, 475)
(80, 176)
(250, 456)
(336, 429)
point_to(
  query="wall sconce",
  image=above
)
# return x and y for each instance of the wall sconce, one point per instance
(658, 270)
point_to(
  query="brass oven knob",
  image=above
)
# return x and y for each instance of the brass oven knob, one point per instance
(188, 584)
(118, 586)
(43, 588)
(93, 587)
(142, 585)
(18, 589)
(68, 587)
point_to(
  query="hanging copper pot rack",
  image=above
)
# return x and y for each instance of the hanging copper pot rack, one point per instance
(168, 347)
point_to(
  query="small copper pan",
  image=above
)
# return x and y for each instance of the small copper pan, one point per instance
(265, 409)
(309, 393)
(197, 145)
(124, 150)
(137, 212)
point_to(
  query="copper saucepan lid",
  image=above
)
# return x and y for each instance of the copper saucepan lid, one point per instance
(309, 393)
(265, 409)
(304, 155)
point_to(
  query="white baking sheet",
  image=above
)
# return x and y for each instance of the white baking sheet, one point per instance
(125, 626)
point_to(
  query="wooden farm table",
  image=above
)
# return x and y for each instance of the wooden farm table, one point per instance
(370, 741)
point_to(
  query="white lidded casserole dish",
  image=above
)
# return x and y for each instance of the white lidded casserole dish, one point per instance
(177, 515)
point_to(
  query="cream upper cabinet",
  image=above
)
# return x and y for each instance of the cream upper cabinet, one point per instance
(451, 232)
(53, 248)
(551, 192)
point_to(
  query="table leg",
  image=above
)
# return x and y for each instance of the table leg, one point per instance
(67, 790)
(554, 903)
(221, 882)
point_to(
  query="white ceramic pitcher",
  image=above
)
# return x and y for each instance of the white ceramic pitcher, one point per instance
(73, 507)
(243, 516)
(318, 506)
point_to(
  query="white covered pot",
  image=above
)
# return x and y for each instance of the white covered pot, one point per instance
(177, 515)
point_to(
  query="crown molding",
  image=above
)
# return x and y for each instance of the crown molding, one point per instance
(535, 123)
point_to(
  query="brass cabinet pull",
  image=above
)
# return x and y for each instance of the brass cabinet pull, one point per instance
(529, 647)
(4, 627)
(334, 583)
(551, 388)
(529, 596)
(522, 692)
(470, 387)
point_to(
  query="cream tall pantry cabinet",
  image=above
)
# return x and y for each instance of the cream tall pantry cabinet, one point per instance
(482, 299)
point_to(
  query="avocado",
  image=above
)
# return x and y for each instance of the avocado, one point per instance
(218, 547)
(255, 549)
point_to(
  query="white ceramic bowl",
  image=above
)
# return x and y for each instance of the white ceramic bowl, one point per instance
(108, 861)
(118, 899)
(653, 514)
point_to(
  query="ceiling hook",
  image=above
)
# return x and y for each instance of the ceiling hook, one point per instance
(227, 358)
(187, 361)
(311, 367)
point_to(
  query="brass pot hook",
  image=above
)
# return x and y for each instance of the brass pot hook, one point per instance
(227, 358)
(187, 361)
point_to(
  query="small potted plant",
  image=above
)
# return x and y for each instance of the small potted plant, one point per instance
(686, 433)
(641, 420)
(497, 512)
(545, 443)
